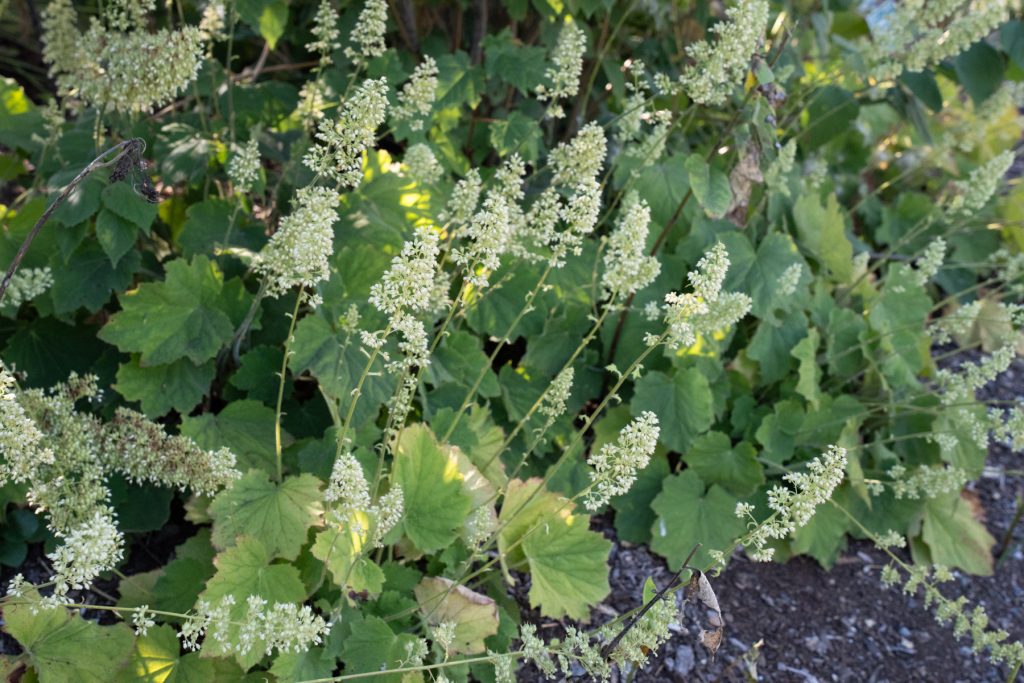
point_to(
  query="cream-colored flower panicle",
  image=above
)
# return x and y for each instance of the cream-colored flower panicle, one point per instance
(719, 68)
(794, 507)
(416, 98)
(408, 285)
(325, 30)
(706, 309)
(244, 166)
(421, 164)
(368, 33)
(616, 465)
(27, 284)
(914, 35)
(339, 152)
(628, 267)
(975, 192)
(117, 64)
(297, 254)
(563, 76)
(89, 549)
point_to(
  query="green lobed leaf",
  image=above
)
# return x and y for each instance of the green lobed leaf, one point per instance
(183, 316)
(156, 658)
(689, 514)
(373, 647)
(125, 202)
(86, 279)
(245, 569)
(714, 458)
(246, 427)
(115, 234)
(682, 402)
(277, 514)
(162, 388)
(822, 231)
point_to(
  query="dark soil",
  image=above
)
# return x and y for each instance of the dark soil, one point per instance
(797, 622)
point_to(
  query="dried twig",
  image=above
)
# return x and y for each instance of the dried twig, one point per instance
(129, 157)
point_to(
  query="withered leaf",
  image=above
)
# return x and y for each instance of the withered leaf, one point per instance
(711, 640)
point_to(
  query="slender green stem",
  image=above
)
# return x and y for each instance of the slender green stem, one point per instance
(471, 394)
(280, 387)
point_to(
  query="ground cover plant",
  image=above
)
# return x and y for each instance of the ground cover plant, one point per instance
(377, 304)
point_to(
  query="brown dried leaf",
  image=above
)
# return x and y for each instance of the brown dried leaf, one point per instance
(742, 179)
(711, 640)
(706, 594)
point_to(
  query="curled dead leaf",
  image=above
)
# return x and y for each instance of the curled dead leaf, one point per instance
(711, 640)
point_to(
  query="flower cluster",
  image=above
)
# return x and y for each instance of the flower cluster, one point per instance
(974, 193)
(628, 268)
(914, 35)
(647, 635)
(145, 452)
(930, 261)
(421, 164)
(408, 284)
(566, 67)
(351, 505)
(926, 482)
(580, 159)
(707, 308)
(972, 623)
(116, 64)
(259, 626)
(790, 279)
(416, 98)
(464, 199)
(489, 234)
(368, 33)
(557, 394)
(91, 547)
(213, 23)
(27, 284)
(297, 254)
(21, 441)
(325, 30)
(64, 456)
(776, 174)
(244, 166)
(793, 507)
(718, 68)
(616, 465)
(339, 154)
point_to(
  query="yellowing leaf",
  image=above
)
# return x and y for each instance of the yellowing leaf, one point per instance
(435, 503)
(475, 616)
(63, 647)
(568, 566)
(343, 552)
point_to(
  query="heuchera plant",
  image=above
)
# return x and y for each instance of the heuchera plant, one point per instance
(381, 302)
